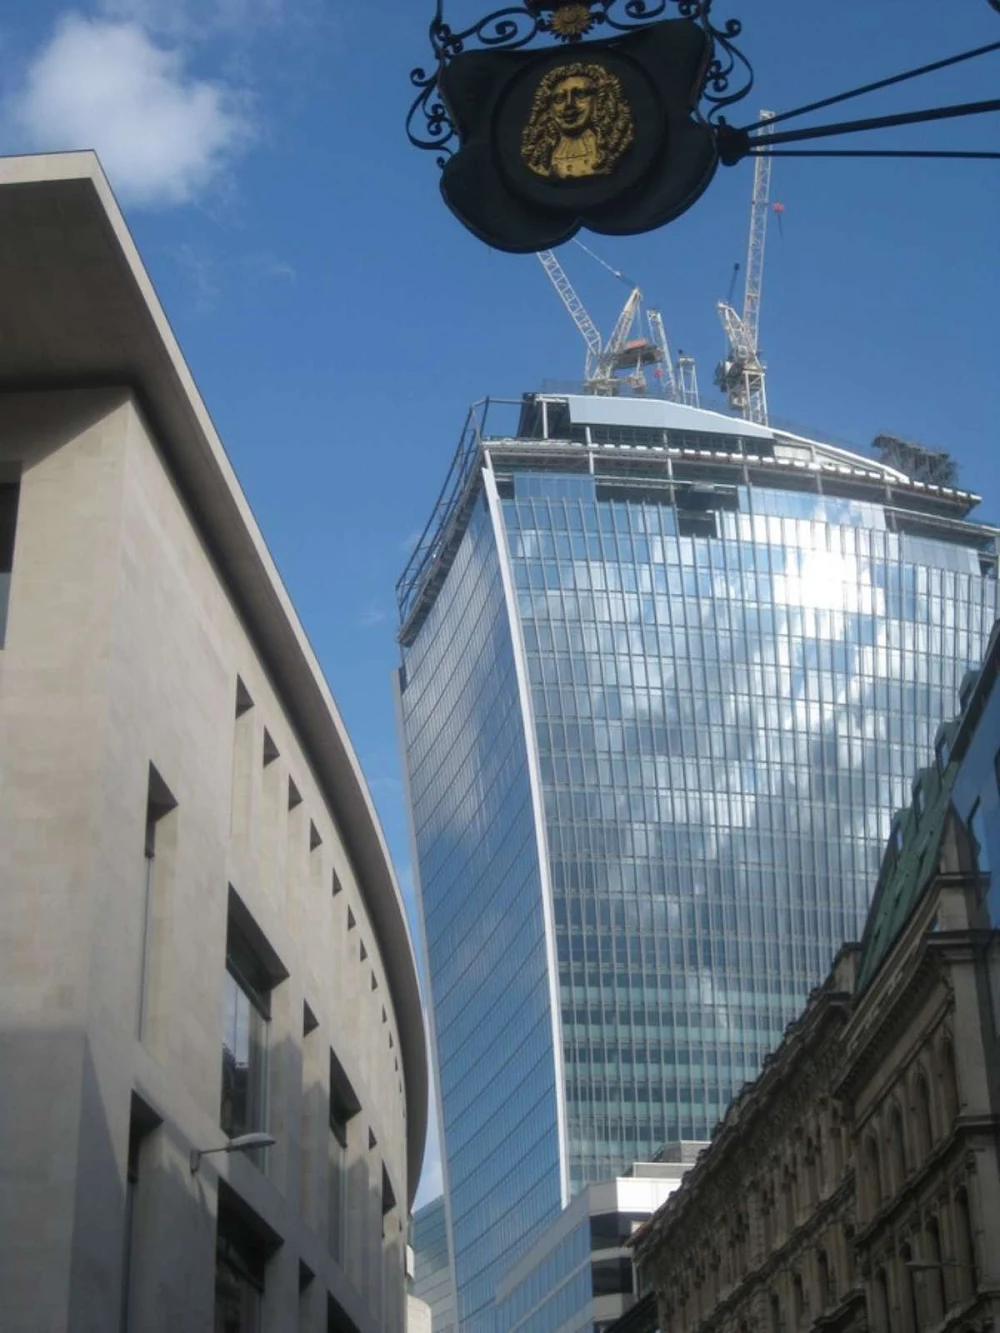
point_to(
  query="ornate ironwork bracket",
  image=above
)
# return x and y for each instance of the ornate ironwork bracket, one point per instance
(728, 78)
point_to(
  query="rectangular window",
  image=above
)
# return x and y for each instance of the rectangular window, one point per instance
(244, 1057)
(344, 1106)
(610, 1277)
(8, 521)
(252, 971)
(159, 803)
(143, 1120)
(240, 1262)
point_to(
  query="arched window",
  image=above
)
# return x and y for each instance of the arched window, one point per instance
(767, 1217)
(836, 1144)
(897, 1148)
(777, 1322)
(909, 1291)
(873, 1166)
(949, 1084)
(824, 1287)
(812, 1174)
(935, 1293)
(882, 1321)
(965, 1245)
(743, 1248)
(820, 1164)
(798, 1300)
(922, 1108)
(852, 1262)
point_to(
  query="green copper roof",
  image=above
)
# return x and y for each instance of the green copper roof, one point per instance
(928, 837)
(911, 859)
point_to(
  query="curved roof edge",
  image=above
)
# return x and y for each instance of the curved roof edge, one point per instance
(102, 323)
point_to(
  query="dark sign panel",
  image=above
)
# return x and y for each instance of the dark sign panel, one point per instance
(600, 134)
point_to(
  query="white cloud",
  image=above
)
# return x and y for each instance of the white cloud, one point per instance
(162, 136)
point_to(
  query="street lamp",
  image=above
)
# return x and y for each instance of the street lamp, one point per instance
(243, 1143)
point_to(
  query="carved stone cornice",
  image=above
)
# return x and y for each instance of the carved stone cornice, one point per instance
(795, 1078)
(878, 1030)
(949, 1159)
(836, 1209)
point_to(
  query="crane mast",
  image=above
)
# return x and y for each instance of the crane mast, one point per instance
(687, 381)
(577, 310)
(659, 336)
(620, 333)
(755, 249)
(741, 374)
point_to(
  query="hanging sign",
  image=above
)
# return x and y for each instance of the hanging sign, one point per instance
(552, 115)
(619, 135)
(600, 134)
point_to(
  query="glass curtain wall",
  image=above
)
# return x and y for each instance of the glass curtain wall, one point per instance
(481, 910)
(432, 1266)
(726, 723)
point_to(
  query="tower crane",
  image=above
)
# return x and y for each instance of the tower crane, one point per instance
(680, 383)
(659, 333)
(741, 375)
(577, 311)
(621, 354)
(687, 380)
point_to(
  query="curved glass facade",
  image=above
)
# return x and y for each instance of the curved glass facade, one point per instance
(481, 908)
(737, 658)
(726, 725)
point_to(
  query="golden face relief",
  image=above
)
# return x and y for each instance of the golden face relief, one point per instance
(580, 123)
(572, 104)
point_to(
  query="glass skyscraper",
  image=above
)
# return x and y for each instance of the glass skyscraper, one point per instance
(432, 1265)
(665, 678)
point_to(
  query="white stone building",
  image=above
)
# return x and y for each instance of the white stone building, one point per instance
(201, 935)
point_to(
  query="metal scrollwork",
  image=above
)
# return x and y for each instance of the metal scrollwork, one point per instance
(728, 79)
(509, 28)
(730, 75)
(438, 130)
(625, 15)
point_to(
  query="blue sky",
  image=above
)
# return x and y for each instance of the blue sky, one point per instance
(339, 321)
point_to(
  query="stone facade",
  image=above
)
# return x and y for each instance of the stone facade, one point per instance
(761, 1230)
(186, 846)
(924, 1136)
(855, 1184)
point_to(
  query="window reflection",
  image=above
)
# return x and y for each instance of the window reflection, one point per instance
(725, 725)
(240, 1261)
(244, 1059)
(752, 705)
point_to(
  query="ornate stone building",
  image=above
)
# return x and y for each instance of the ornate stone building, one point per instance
(855, 1185)
(761, 1235)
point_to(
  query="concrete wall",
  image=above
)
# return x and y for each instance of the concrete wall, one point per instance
(123, 650)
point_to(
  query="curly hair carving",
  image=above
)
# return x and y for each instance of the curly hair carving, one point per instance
(613, 125)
